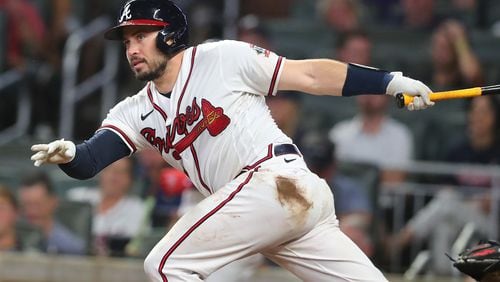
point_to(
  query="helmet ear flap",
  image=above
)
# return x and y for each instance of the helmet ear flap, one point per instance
(165, 40)
(170, 42)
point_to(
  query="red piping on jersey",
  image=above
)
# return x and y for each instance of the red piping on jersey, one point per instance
(195, 157)
(155, 106)
(198, 223)
(124, 136)
(275, 76)
(267, 157)
(193, 54)
(197, 164)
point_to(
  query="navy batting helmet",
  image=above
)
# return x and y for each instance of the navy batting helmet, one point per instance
(173, 36)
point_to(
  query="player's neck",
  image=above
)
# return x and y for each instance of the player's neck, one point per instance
(165, 83)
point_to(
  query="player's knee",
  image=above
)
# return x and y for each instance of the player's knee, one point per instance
(157, 272)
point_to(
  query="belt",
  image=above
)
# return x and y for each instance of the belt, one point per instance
(284, 149)
(278, 150)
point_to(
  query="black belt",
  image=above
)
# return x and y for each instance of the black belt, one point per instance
(284, 149)
(278, 150)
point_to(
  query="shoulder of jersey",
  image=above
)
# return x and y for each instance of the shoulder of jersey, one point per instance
(215, 46)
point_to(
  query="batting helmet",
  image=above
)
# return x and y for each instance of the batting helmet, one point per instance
(162, 13)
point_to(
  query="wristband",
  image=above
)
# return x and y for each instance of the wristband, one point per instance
(362, 80)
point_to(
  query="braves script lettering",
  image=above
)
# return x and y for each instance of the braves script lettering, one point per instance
(213, 120)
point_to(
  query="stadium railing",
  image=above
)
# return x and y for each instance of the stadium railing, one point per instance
(74, 91)
(402, 201)
(12, 79)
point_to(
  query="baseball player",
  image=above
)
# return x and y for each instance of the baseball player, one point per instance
(203, 109)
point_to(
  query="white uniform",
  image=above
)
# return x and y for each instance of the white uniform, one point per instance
(261, 198)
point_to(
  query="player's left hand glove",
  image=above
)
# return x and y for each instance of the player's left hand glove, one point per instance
(482, 262)
(403, 84)
(56, 152)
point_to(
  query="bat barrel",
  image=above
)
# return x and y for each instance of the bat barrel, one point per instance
(491, 90)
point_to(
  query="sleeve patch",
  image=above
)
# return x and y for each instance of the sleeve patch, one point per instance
(260, 50)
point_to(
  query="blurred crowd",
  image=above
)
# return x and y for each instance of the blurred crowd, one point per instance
(135, 200)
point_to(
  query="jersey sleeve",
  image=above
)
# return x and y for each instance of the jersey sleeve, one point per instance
(249, 68)
(122, 120)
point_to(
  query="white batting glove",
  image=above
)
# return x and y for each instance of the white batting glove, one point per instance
(412, 87)
(56, 152)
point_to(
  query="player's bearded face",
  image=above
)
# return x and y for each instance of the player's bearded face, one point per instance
(153, 69)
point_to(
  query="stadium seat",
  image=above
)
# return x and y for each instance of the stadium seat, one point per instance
(297, 39)
(368, 176)
(30, 237)
(77, 216)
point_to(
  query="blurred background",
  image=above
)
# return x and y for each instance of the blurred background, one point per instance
(409, 187)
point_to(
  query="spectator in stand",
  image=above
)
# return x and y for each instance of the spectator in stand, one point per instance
(8, 217)
(285, 106)
(414, 18)
(354, 47)
(285, 109)
(353, 208)
(453, 61)
(151, 165)
(482, 143)
(340, 15)
(384, 11)
(23, 38)
(25, 32)
(372, 127)
(118, 215)
(451, 209)
(38, 203)
(251, 30)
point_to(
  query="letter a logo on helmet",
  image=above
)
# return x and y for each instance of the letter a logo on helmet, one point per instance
(170, 20)
(125, 14)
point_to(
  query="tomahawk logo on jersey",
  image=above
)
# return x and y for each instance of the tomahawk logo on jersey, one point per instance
(209, 101)
(213, 120)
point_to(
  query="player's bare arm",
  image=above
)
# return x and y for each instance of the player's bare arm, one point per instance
(331, 77)
(317, 76)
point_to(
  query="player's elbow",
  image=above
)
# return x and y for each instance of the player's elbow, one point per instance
(82, 176)
(78, 172)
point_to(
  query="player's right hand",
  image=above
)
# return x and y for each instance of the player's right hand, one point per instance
(56, 152)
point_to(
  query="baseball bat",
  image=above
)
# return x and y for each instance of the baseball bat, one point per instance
(403, 99)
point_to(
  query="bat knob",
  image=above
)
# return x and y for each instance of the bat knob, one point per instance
(400, 100)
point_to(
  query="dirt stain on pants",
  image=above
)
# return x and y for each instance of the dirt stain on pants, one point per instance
(291, 197)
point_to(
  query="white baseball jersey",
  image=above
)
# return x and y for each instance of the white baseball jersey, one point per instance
(215, 121)
(214, 125)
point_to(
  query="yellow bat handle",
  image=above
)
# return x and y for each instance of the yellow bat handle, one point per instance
(445, 95)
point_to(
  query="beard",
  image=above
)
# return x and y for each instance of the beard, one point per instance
(157, 70)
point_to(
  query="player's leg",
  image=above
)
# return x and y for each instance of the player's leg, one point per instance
(242, 270)
(325, 253)
(238, 220)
